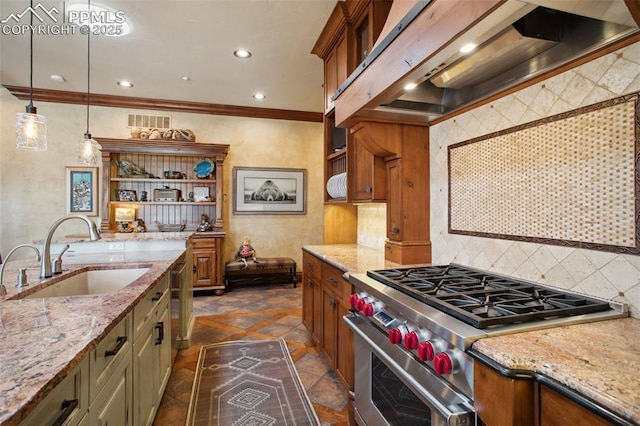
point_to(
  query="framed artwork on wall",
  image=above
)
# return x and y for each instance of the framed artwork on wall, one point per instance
(269, 190)
(82, 190)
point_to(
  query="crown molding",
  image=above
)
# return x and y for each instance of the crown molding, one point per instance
(65, 97)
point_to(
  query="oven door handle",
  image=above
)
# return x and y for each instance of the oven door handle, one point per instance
(453, 418)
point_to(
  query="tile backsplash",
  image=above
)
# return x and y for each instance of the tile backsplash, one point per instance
(602, 274)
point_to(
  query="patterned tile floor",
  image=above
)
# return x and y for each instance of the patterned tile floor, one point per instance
(255, 313)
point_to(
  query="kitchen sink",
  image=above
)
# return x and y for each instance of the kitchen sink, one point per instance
(102, 281)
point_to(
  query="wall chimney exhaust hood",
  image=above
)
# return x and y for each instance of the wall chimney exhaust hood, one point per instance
(516, 42)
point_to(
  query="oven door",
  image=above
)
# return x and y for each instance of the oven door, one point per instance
(393, 388)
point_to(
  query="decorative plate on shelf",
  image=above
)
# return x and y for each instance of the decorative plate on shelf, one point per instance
(204, 169)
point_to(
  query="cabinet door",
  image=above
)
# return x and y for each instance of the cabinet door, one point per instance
(112, 406)
(146, 372)
(344, 347)
(329, 325)
(307, 302)
(317, 311)
(163, 347)
(556, 410)
(335, 71)
(394, 200)
(368, 172)
(204, 263)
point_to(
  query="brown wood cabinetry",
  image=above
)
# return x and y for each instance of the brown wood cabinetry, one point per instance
(346, 39)
(502, 401)
(556, 410)
(207, 262)
(325, 296)
(368, 176)
(505, 401)
(335, 71)
(156, 157)
(312, 296)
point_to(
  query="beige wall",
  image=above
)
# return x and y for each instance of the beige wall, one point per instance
(32, 183)
(607, 275)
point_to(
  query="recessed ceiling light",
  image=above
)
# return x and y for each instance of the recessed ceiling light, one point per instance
(186, 78)
(242, 54)
(468, 48)
(259, 96)
(124, 83)
(410, 86)
(57, 78)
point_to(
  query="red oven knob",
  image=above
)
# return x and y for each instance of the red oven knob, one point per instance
(353, 300)
(371, 308)
(442, 363)
(412, 340)
(426, 351)
(360, 304)
(395, 336)
(368, 310)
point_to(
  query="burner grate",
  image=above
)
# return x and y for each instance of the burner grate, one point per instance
(484, 300)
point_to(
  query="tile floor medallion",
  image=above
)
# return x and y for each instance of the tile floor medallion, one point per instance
(255, 313)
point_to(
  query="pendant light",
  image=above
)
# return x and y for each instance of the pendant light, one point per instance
(31, 128)
(88, 149)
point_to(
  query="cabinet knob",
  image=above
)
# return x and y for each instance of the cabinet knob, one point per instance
(195, 269)
(395, 230)
(369, 189)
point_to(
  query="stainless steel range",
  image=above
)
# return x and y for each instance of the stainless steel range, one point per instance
(412, 327)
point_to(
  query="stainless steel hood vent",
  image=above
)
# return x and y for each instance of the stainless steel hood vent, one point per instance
(540, 41)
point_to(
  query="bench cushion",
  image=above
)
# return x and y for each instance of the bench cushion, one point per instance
(261, 263)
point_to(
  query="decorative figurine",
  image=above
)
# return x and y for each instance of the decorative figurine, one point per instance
(129, 169)
(245, 252)
(204, 224)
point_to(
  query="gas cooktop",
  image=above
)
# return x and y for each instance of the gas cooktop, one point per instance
(485, 300)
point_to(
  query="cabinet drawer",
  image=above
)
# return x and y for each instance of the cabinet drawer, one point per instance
(148, 303)
(105, 357)
(204, 243)
(311, 264)
(331, 276)
(68, 402)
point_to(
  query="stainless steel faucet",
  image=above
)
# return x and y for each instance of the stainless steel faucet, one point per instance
(3, 289)
(45, 265)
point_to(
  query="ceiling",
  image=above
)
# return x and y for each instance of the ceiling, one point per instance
(171, 39)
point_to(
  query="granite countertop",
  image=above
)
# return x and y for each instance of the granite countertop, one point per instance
(43, 339)
(598, 360)
(352, 257)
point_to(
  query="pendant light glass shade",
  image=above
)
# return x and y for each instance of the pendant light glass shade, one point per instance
(31, 130)
(88, 151)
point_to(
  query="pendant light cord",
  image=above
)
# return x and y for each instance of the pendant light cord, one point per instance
(30, 107)
(87, 135)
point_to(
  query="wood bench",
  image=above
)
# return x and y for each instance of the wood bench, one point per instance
(264, 270)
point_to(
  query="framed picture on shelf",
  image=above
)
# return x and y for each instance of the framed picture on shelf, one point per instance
(82, 190)
(126, 195)
(269, 190)
(201, 193)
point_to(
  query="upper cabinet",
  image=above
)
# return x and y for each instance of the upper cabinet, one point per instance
(345, 41)
(166, 182)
